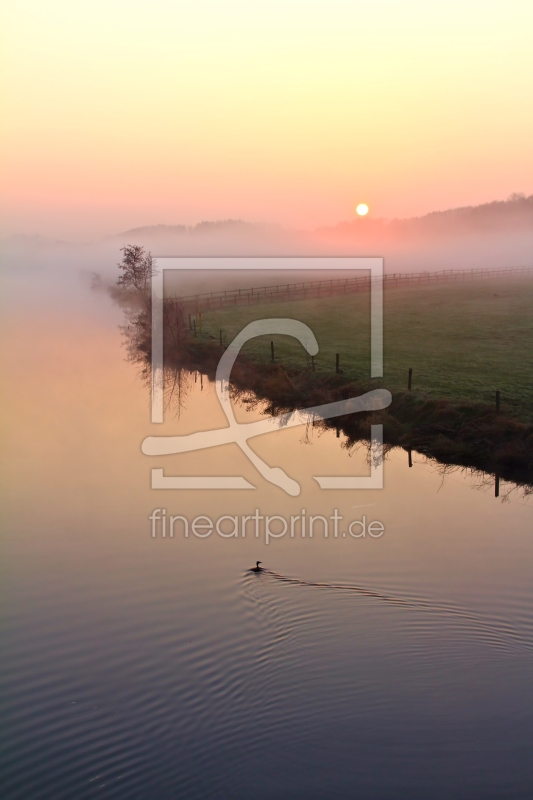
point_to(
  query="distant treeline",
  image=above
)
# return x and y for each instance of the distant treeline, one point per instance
(512, 214)
(238, 226)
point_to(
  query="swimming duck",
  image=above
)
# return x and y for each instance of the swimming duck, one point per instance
(257, 568)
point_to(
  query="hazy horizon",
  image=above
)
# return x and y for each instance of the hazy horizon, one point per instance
(512, 213)
(272, 112)
(494, 235)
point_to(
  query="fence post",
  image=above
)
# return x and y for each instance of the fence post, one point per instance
(496, 486)
(410, 379)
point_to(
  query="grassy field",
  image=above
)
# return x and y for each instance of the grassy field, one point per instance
(463, 341)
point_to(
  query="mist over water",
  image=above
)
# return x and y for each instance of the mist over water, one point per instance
(162, 667)
(495, 236)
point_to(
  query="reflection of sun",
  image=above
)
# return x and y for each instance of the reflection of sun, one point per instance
(362, 209)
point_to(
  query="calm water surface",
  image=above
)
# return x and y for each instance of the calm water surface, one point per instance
(134, 667)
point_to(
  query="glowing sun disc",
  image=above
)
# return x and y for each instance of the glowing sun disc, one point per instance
(362, 209)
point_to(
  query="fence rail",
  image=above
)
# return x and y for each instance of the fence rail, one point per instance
(336, 286)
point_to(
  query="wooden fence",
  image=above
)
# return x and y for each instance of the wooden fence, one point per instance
(337, 286)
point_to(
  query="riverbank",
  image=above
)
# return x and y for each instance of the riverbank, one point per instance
(459, 432)
(463, 344)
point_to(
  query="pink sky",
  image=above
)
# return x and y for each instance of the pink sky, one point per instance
(132, 113)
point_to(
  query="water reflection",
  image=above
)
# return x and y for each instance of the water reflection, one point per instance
(142, 667)
(277, 396)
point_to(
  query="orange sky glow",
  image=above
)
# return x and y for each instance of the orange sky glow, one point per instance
(118, 114)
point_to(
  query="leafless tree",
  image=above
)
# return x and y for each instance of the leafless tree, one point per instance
(137, 270)
(132, 290)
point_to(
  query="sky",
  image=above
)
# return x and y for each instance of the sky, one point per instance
(120, 114)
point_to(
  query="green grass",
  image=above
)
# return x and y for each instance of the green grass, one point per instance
(461, 340)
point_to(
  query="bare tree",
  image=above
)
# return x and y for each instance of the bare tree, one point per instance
(133, 293)
(137, 269)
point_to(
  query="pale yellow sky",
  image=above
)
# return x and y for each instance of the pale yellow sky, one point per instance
(119, 114)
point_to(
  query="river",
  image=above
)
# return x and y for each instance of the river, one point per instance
(379, 666)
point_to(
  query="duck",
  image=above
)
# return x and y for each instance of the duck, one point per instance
(257, 568)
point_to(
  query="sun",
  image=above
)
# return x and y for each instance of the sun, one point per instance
(362, 209)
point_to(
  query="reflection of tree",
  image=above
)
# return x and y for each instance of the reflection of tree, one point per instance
(482, 481)
(133, 291)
